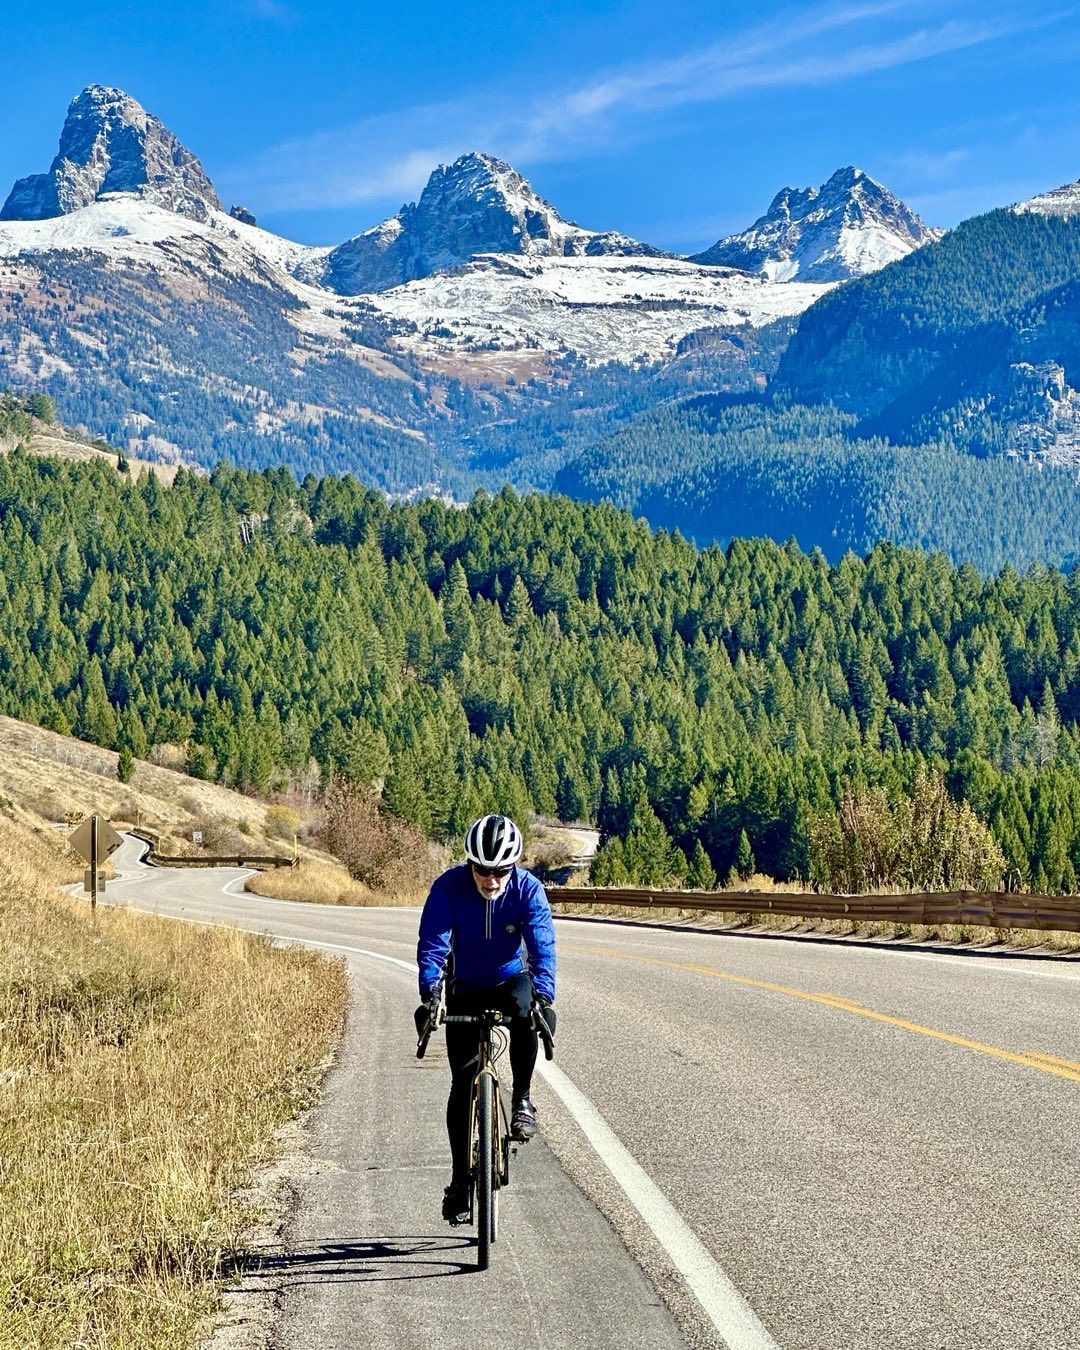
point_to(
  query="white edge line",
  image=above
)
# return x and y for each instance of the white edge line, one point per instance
(721, 1302)
(725, 1307)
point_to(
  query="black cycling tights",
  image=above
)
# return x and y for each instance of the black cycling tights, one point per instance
(513, 997)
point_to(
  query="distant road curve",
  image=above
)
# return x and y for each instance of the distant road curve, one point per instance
(801, 1144)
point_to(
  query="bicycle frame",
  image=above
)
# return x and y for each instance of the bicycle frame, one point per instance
(489, 1131)
(491, 1144)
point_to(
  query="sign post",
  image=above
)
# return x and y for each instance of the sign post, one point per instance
(96, 840)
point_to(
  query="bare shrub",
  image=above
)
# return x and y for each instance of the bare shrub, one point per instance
(168, 756)
(378, 849)
(550, 859)
(49, 806)
(221, 837)
(924, 841)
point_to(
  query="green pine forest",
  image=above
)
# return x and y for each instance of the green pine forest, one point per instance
(929, 403)
(718, 469)
(537, 654)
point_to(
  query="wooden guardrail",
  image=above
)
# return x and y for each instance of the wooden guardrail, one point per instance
(233, 860)
(240, 860)
(990, 909)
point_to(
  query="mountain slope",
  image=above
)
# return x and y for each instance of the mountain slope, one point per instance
(182, 341)
(187, 335)
(972, 339)
(848, 227)
(717, 469)
(604, 308)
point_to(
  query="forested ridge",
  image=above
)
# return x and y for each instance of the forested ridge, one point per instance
(890, 414)
(535, 653)
(718, 467)
(912, 340)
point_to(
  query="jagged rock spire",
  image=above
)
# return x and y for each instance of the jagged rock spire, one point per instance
(849, 226)
(478, 204)
(110, 143)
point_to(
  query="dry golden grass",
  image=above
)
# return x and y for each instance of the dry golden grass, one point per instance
(48, 780)
(325, 883)
(320, 883)
(144, 1066)
(52, 778)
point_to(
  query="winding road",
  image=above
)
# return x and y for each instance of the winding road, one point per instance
(746, 1141)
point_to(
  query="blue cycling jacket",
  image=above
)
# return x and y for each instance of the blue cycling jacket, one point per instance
(487, 948)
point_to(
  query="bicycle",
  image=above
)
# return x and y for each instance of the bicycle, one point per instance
(492, 1145)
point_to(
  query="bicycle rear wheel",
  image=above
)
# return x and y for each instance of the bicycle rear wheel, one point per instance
(485, 1171)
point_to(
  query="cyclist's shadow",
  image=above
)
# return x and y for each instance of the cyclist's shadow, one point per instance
(406, 1257)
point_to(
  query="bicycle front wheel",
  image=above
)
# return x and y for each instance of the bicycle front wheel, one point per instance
(485, 1171)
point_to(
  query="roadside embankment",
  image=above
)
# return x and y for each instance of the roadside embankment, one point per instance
(144, 1067)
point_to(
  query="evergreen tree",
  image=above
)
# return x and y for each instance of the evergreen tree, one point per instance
(745, 865)
(701, 875)
(125, 767)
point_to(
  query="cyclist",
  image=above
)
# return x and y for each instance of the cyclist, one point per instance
(480, 914)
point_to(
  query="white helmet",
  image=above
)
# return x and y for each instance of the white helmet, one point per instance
(493, 841)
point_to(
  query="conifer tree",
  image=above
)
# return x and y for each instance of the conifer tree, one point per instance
(745, 865)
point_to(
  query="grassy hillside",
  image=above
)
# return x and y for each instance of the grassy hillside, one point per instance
(145, 1068)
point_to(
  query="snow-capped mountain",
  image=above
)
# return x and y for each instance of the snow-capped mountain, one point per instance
(846, 228)
(480, 266)
(185, 332)
(476, 205)
(1062, 201)
(111, 144)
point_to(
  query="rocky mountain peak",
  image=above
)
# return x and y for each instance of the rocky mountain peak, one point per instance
(847, 227)
(110, 143)
(1061, 201)
(477, 204)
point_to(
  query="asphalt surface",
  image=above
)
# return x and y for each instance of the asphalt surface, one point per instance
(873, 1147)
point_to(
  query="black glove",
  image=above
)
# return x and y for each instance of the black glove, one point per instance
(547, 1012)
(422, 1018)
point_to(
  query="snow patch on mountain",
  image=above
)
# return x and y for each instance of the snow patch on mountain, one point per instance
(848, 227)
(177, 251)
(1062, 201)
(605, 308)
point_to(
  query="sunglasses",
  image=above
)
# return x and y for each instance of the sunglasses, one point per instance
(499, 872)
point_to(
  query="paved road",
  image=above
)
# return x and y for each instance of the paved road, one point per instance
(872, 1147)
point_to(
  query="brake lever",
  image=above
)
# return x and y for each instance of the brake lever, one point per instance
(540, 1023)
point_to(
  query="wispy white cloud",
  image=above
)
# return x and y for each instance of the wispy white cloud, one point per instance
(927, 166)
(392, 154)
(275, 11)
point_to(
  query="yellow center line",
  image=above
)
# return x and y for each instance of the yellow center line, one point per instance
(1034, 1059)
(1053, 1059)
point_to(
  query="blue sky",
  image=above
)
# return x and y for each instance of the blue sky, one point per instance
(675, 122)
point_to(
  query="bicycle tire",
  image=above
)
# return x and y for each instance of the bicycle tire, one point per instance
(496, 1165)
(485, 1172)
